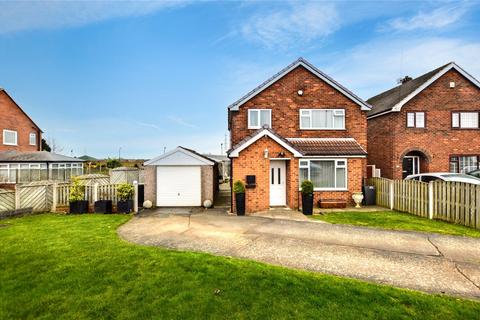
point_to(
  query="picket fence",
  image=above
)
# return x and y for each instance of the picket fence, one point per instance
(454, 202)
(49, 196)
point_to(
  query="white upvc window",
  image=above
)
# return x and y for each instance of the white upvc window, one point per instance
(416, 119)
(325, 174)
(33, 139)
(322, 119)
(10, 137)
(465, 120)
(257, 118)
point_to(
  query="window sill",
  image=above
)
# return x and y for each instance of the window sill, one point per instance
(328, 189)
(326, 129)
(10, 144)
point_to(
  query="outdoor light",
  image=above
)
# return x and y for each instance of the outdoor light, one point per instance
(265, 153)
(300, 92)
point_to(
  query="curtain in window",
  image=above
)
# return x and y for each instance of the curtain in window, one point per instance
(338, 121)
(341, 178)
(468, 164)
(265, 117)
(420, 119)
(322, 174)
(253, 118)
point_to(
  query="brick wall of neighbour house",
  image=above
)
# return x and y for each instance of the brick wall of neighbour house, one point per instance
(251, 161)
(150, 181)
(282, 98)
(438, 140)
(12, 118)
(380, 144)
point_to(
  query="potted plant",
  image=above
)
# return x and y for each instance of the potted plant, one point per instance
(125, 193)
(76, 197)
(239, 190)
(307, 197)
(103, 206)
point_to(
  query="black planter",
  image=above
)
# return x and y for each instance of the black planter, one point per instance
(240, 203)
(307, 203)
(79, 206)
(124, 206)
(103, 206)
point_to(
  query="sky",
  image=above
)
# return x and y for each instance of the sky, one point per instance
(142, 77)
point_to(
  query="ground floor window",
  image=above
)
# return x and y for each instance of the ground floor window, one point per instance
(324, 173)
(28, 172)
(464, 164)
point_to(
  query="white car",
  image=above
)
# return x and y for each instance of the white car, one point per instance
(445, 176)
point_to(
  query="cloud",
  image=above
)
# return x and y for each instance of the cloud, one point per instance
(148, 125)
(181, 122)
(298, 24)
(436, 19)
(374, 66)
(28, 15)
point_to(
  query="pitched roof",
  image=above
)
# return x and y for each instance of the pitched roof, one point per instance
(393, 99)
(35, 156)
(191, 154)
(307, 65)
(327, 146)
(26, 114)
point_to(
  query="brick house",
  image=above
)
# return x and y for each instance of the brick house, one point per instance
(299, 124)
(19, 132)
(426, 124)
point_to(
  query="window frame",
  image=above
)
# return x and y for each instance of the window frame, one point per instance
(16, 137)
(319, 128)
(258, 118)
(34, 135)
(459, 113)
(307, 166)
(415, 120)
(457, 161)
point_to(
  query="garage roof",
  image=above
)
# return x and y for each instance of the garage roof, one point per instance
(181, 156)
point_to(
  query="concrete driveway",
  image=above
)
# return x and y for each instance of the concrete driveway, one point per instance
(426, 262)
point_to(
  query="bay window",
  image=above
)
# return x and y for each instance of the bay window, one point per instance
(322, 119)
(465, 120)
(325, 174)
(257, 118)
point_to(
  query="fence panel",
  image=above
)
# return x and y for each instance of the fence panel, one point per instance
(383, 191)
(34, 197)
(7, 200)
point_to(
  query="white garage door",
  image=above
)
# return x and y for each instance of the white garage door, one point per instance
(178, 186)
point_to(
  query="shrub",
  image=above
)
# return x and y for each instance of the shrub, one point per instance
(125, 191)
(238, 187)
(77, 191)
(307, 187)
(113, 163)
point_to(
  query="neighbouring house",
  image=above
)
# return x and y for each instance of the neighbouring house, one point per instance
(426, 124)
(299, 124)
(180, 178)
(19, 132)
(23, 167)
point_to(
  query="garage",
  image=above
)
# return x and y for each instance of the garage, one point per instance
(180, 178)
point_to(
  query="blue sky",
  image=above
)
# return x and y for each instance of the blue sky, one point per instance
(145, 76)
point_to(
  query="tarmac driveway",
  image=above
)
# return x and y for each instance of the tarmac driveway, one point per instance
(427, 262)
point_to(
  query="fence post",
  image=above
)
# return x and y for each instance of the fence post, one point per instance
(430, 200)
(17, 197)
(135, 196)
(391, 192)
(54, 197)
(95, 193)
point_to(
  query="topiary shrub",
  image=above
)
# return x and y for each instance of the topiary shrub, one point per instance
(238, 187)
(125, 191)
(307, 187)
(77, 191)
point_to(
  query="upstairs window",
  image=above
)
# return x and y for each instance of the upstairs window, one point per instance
(257, 118)
(465, 120)
(322, 119)
(10, 137)
(416, 119)
(33, 139)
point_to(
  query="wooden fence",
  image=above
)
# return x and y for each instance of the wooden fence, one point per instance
(454, 202)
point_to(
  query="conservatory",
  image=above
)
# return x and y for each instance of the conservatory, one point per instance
(22, 167)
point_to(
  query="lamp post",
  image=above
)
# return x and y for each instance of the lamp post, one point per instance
(119, 150)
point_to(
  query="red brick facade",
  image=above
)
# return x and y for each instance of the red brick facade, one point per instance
(282, 98)
(389, 139)
(13, 118)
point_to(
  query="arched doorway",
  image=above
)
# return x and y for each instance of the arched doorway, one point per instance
(414, 162)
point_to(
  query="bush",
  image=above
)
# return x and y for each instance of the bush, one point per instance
(113, 163)
(238, 187)
(125, 191)
(77, 191)
(307, 187)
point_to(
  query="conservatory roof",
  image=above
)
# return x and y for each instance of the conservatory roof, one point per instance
(35, 156)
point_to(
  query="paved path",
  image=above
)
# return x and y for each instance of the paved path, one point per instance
(427, 262)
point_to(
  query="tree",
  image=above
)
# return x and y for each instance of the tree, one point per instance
(45, 146)
(54, 146)
(113, 163)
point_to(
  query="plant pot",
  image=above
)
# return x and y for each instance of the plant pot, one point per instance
(358, 198)
(103, 206)
(124, 206)
(79, 206)
(307, 203)
(240, 203)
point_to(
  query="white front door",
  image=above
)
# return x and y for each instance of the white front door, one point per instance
(278, 188)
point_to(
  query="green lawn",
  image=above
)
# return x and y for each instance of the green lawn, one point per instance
(394, 220)
(64, 267)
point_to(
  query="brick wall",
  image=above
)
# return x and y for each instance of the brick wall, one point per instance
(285, 103)
(438, 140)
(12, 118)
(150, 181)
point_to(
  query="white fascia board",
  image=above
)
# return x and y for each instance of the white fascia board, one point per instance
(154, 161)
(264, 133)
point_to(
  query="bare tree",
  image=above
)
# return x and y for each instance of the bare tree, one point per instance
(54, 146)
